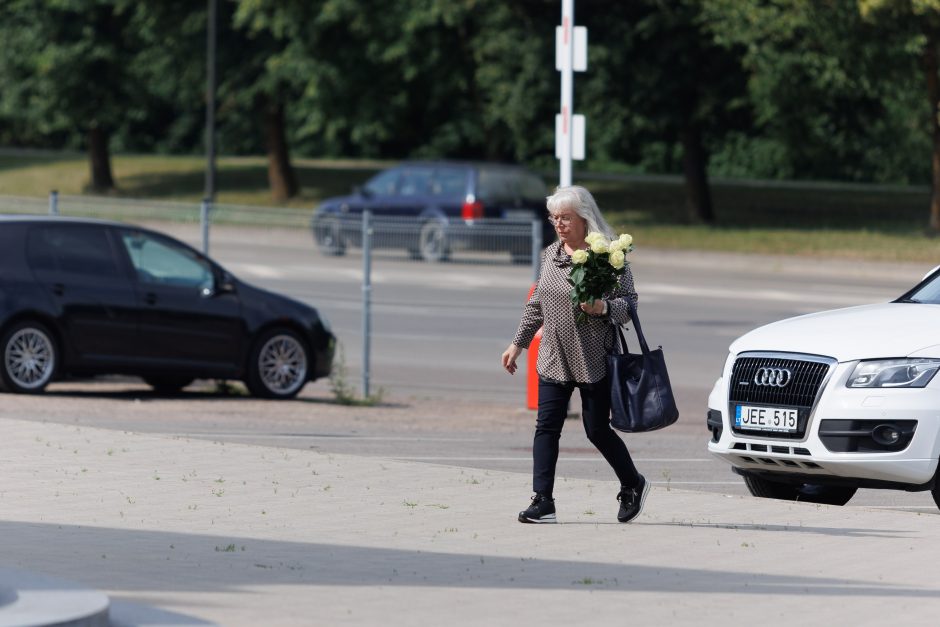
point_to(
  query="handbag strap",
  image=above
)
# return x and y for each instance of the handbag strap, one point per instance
(623, 340)
(636, 325)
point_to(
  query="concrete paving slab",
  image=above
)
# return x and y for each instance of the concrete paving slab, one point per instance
(247, 535)
(31, 600)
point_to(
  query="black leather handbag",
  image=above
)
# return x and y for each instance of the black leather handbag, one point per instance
(641, 397)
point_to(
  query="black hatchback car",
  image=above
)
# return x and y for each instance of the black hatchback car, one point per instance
(431, 208)
(86, 297)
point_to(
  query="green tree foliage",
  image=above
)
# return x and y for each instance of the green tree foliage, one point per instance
(831, 95)
(662, 92)
(64, 74)
(457, 78)
(916, 25)
(169, 66)
(833, 89)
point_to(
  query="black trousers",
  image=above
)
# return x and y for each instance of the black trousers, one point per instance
(553, 408)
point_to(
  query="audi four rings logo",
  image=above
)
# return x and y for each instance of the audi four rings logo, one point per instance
(774, 377)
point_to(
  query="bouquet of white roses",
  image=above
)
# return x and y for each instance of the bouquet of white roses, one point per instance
(595, 271)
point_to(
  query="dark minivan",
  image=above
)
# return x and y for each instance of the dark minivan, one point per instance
(431, 208)
(86, 297)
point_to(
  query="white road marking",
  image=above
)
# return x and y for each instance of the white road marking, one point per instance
(667, 289)
(257, 270)
(486, 278)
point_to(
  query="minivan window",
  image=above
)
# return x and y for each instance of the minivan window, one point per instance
(159, 262)
(415, 181)
(72, 249)
(450, 182)
(507, 185)
(383, 184)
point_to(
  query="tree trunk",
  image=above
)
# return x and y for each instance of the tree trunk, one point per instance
(100, 160)
(281, 176)
(695, 164)
(933, 93)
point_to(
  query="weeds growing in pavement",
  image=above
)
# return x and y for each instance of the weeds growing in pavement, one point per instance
(227, 388)
(343, 391)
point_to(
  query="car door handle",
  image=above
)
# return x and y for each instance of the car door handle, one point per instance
(58, 289)
(150, 298)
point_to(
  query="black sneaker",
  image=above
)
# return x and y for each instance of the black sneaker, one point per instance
(631, 500)
(542, 510)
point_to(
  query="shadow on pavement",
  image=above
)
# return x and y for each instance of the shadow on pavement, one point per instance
(137, 560)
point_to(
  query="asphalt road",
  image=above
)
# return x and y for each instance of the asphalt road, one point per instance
(439, 329)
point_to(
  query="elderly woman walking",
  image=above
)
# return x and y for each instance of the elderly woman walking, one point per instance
(573, 355)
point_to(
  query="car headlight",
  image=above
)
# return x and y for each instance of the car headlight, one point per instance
(893, 373)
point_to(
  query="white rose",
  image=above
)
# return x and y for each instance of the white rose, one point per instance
(615, 245)
(593, 235)
(626, 240)
(617, 259)
(579, 256)
(600, 245)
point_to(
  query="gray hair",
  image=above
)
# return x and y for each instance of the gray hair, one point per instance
(579, 200)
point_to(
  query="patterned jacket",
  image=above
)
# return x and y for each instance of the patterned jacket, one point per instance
(570, 352)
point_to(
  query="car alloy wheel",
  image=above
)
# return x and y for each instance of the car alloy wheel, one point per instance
(281, 364)
(329, 236)
(29, 358)
(432, 241)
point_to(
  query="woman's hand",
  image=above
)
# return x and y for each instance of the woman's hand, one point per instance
(599, 308)
(509, 358)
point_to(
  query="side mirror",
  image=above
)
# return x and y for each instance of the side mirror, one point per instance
(222, 283)
(225, 284)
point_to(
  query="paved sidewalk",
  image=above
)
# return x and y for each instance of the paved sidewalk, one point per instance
(244, 535)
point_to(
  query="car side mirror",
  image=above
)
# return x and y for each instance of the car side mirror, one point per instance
(221, 284)
(225, 284)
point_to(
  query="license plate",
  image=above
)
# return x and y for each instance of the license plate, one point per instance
(765, 418)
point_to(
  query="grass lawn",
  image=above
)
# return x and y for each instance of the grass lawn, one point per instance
(826, 220)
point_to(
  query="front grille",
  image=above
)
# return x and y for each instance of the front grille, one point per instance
(806, 375)
(799, 392)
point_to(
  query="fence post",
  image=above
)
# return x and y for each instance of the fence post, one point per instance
(54, 203)
(366, 296)
(204, 223)
(536, 248)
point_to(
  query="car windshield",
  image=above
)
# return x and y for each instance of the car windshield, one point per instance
(928, 293)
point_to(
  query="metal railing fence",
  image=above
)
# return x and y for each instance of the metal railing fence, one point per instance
(430, 239)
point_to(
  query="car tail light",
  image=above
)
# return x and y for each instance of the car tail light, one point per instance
(472, 209)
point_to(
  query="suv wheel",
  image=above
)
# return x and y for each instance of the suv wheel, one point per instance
(29, 357)
(279, 365)
(167, 384)
(935, 491)
(328, 234)
(808, 492)
(432, 241)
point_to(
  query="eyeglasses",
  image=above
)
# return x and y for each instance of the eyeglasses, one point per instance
(556, 220)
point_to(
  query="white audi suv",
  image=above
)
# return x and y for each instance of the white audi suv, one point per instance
(814, 407)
